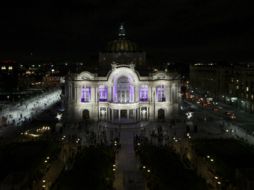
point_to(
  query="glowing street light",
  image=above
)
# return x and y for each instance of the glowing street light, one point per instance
(59, 116)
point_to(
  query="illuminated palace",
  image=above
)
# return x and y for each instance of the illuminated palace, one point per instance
(122, 95)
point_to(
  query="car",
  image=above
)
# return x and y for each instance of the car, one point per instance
(215, 109)
(230, 115)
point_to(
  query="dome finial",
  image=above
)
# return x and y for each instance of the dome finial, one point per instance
(121, 32)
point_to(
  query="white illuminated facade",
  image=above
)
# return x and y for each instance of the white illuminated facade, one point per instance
(122, 95)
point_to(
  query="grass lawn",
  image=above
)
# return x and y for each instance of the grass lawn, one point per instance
(229, 155)
(92, 170)
(167, 170)
(24, 157)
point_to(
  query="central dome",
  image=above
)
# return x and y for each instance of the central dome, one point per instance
(122, 44)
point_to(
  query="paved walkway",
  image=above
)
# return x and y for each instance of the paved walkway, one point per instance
(128, 175)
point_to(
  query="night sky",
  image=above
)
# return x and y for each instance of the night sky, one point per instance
(169, 29)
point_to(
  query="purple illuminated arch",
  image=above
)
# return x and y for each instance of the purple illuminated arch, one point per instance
(123, 90)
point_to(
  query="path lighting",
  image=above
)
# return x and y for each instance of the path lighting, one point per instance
(114, 169)
(227, 130)
(138, 144)
(43, 186)
(45, 161)
(148, 171)
(211, 160)
(59, 116)
(219, 182)
(207, 156)
(44, 181)
(47, 157)
(144, 167)
(114, 165)
(216, 177)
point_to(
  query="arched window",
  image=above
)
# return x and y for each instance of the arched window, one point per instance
(85, 94)
(160, 91)
(123, 91)
(143, 93)
(103, 93)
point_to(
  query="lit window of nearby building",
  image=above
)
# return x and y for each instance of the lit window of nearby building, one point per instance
(10, 68)
(3, 68)
(247, 89)
(85, 94)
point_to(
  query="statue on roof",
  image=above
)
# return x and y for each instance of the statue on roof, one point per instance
(122, 32)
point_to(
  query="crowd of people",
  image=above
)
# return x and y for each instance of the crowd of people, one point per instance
(25, 111)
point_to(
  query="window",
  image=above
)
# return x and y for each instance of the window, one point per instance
(160, 91)
(85, 94)
(103, 93)
(143, 93)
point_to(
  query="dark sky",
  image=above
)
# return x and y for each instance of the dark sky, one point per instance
(170, 29)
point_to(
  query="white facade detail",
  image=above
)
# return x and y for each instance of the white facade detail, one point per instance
(122, 96)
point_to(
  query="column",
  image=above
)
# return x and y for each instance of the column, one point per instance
(78, 94)
(128, 114)
(75, 93)
(70, 96)
(93, 94)
(109, 93)
(167, 93)
(149, 94)
(119, 114)
(96, 97)
(148, 113)
(136, 99)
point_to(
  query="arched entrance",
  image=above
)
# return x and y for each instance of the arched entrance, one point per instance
(123, 90)
(161, 114)
(85, 114)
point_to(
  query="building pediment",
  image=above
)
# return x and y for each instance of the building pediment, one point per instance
(86, 76)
